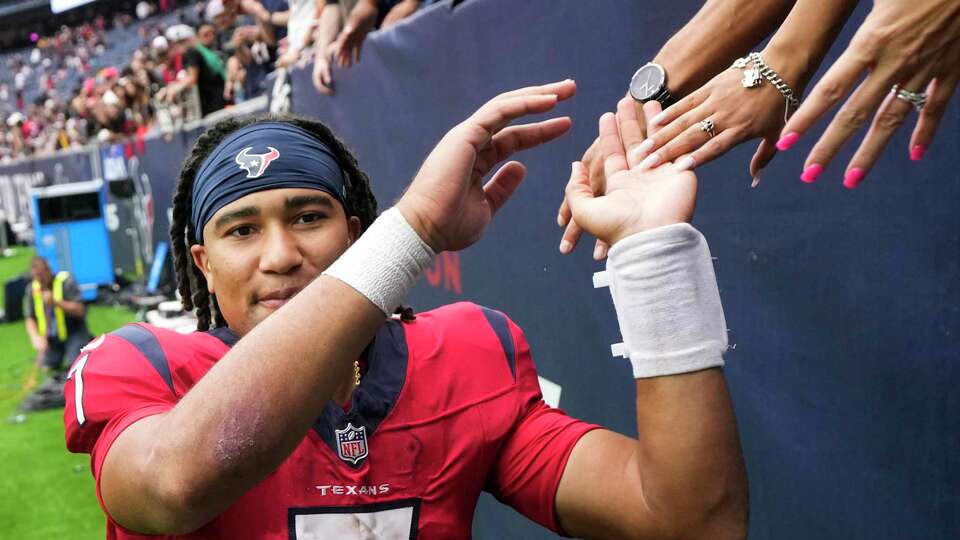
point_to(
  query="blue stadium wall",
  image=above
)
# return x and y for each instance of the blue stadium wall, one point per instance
(843, 306)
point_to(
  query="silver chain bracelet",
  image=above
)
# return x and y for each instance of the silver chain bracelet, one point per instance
(752, 78)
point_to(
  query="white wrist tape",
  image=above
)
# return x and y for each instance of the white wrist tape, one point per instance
(385, 262)
(667, 303)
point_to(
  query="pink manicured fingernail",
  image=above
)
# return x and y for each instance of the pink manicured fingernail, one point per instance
(565, 247)
(917, 152)
(853, 177)
(788, 140)
(656, 120)
(811, 173)
(650, 161)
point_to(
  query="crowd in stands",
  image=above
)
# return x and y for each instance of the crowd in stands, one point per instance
(116, 79)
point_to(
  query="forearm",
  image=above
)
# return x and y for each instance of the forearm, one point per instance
(247, 414)
(799, 46)
(401, 11)
(32, 332)
(671, 318)
(279, 18)
(689, 453)
(74, 309)
(263, 19)
(175, 88)
(720, 32)
(362, 14)
(266, 33)
(407, 7)
(308, 36)
(328, 26)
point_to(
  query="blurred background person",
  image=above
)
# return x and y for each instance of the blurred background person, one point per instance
(55, 320)
(55, 315)
(203, 67)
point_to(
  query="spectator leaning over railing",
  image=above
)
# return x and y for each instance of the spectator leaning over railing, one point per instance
(253, 45)
(329, 20)
(342, 25)
(362, 17)
(304, 16)
(204, 69)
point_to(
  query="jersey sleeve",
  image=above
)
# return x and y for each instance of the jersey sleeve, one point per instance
(110, 386)
(531, 462)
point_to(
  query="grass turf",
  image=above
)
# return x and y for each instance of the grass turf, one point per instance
(45, 491)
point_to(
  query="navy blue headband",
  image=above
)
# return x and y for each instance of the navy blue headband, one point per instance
(261, 156)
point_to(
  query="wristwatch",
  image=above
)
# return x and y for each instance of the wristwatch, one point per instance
(650, 83)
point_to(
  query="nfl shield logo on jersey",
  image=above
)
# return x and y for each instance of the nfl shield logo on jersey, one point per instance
(352, 443)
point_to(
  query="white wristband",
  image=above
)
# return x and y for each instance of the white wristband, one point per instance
(667, 303)
(385, 262)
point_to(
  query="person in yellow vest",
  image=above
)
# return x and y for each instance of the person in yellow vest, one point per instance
(55, 316)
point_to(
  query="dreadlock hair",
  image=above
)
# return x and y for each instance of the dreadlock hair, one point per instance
(191, 283)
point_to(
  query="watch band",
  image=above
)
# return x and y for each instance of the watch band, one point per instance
(665, 98)
(640, 85)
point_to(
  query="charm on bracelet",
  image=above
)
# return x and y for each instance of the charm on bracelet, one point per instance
(755, 70)
(751, 78)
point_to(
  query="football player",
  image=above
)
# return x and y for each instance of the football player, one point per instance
(303, 408)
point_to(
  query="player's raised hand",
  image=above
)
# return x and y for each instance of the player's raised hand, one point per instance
(447, 203)
(636, 199)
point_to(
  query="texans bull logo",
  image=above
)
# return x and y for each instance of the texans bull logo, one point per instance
(256, 164)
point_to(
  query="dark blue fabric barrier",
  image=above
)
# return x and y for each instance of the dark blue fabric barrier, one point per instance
(161, 161)
(842, 305)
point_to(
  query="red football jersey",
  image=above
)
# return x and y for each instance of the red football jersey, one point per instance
(449, 405)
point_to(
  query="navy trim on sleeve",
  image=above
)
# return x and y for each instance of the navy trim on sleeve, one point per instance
(224, 334)
(498, 321)
(150, 348)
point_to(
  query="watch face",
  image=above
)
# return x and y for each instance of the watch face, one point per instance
(647, 82)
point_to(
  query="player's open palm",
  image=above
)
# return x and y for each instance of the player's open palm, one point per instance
(636, 199)
(448, 203)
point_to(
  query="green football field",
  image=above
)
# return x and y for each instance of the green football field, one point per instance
(45, 491)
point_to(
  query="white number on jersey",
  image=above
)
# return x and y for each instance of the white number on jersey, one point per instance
(76, 373)
(395, 520)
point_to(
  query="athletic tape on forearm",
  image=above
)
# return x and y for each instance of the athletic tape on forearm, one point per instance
(667, 303)
(385, 262)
